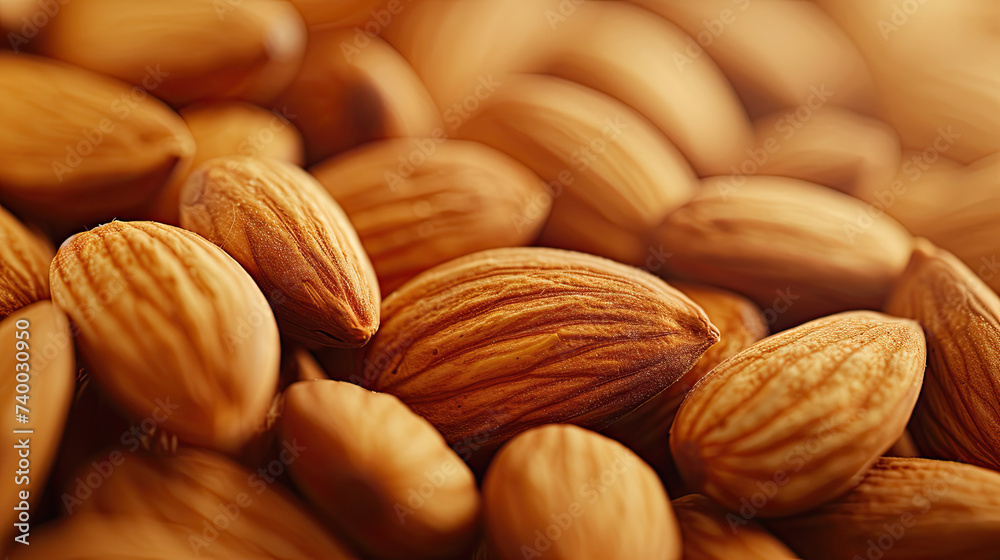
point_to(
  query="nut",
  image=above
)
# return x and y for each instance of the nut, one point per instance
(958, 414)
(380, 474)
(463, 197)
(709, 532)
(904, 509)
(796, 419)
(24, 265)
(491, 344)
(566, 493)
(166, 319)
(294, 240)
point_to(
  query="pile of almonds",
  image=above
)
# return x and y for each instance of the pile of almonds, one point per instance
(504, 279)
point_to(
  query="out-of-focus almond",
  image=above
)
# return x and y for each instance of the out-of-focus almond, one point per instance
(37, 360)
(77, 147)
(491, 344)
(368, 15)
(646, 430)
(566, 493)
(294, 240)
(796, 419)
(708, 534)
(24, 265)
(213, 503)
(798, 250)
(172, 326)
(382, 476)
(346, 95)
(612, 174)
(904, 509)
(182, 51)
(958, 414)
(421, 202)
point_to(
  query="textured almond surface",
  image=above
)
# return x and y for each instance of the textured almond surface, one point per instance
(24, 265)
(613, 175)
(165, 316)
(294, 240)
(795, 248)
(646, 430)
(566, 493)
(494, 343)
(213, 503)
(40, 333)
(709, 532)
(380, 474)
(76, 146)
(236, 50)
(354, 88)
(958, 414)
(796, 419)
(905, 509)
(463, 197)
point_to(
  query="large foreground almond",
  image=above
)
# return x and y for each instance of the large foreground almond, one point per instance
(24, 265)
(380, 474)
(796, 419)
(294, 240)
(958, 414)
(78, 146)
(904, 509)
(167, 318)
(420, 202)
(497, 342)
(566, 493)
(795, 248)
(37, 360)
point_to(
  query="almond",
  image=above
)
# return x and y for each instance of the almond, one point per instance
(613, 176)
(421, 202)
(348, 13)
(294, 240)
(78, 147)
(796, 249)
(381, 475)
(646, 429)
(38, 361)
(246, 49)
(491, 344)
(355, 88)
(958, 414)
(166, 318)
(24, 265)
(708, 534)
(905, 509)
(217, 507)
(566, 493)
(796, 419)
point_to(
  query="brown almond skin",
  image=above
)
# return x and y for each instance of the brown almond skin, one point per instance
(41, 333)
(165, 317)
(904, 509)
(294, 240)
(381, 475)
(796, 419)
(491, 344)
(182, 51)
(191, 489)
(798, 249)
(463, 197)
(24, 265)
(646, 430)
(709, 532)
(958, 415)
(603, 501)
(77, 148)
